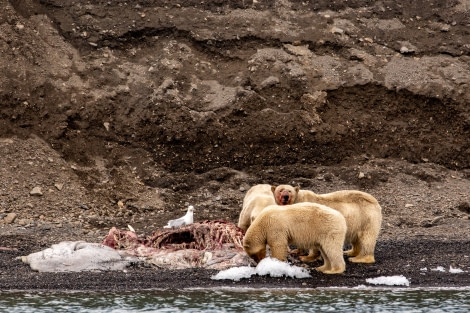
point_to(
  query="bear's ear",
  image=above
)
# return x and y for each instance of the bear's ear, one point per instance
(297, 188)
(273, 188)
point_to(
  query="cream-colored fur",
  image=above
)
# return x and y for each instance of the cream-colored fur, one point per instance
(305, 225)
(256, 199)
(363, 216)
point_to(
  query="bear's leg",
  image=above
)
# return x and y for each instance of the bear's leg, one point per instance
(296, 251)
(332, 252)
(279, 251)
(366, 243)
(362, 259)
(355, 250)
(326, 262)
(313, 255)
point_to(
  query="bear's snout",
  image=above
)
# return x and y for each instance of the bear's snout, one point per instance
(285, 199)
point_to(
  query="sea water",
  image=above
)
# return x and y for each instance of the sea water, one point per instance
(242, 300)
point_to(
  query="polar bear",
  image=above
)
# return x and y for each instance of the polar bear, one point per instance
(361, 210)
(256, 199)
(305, 225)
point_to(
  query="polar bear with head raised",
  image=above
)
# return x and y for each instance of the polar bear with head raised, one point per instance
(361, 210)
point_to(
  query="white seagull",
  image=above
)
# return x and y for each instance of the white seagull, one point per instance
(185, 220)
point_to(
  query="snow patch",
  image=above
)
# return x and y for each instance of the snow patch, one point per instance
(398, 280)
(267, 266)
(455, 270)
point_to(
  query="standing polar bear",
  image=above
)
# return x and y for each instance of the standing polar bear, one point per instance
(305, 225)
(256, 199)
(361, 210)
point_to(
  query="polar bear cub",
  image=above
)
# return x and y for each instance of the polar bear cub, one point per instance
(361, 210)
(256, 199)
(305, 225)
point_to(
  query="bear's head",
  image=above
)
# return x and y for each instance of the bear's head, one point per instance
(285, 194)
(256, 252)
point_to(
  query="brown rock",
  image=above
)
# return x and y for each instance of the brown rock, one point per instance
(36, 191)
(10, 218)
